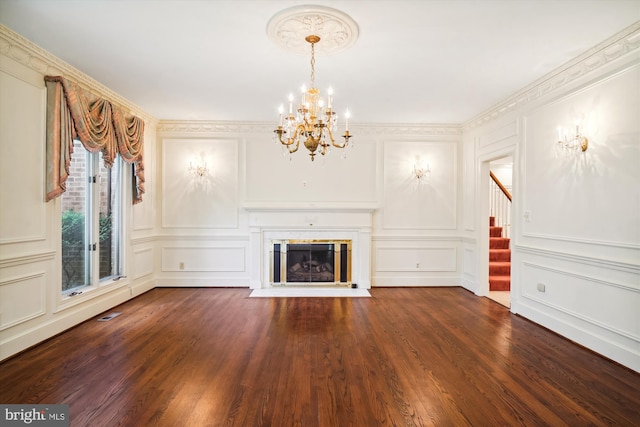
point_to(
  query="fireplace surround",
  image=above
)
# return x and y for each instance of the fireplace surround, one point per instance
(269, 223)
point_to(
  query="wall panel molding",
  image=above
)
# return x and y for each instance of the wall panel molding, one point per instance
(415, 238)
(143, 262)
(202, 238)
(207, 202)
(33, 306)
(422, 259)
(27, 259)
(204, 259)
(573, 313)
(621, 266)
(490, 141)
(146, 239)
(609, 243)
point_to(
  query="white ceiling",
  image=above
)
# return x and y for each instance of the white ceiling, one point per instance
(416, 61)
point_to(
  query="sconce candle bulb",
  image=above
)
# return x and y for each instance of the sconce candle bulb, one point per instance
(199, 170)
(578, 142)
(420, 169)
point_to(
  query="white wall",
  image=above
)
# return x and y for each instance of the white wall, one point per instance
(31, 306)
(415, 232)
(576, 218)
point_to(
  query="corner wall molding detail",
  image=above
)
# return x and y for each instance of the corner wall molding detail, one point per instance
(622, 43)
(34, 57)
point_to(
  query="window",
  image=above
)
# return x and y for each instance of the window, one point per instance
(91, 222)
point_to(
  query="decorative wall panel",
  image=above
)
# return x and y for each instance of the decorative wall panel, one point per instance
(426, 204)
(272, 176)
(415, 259)
(21, 298)
(566, 290)
(591, 197)
(21, 158)
(202, 259)
(192, 201)
(142, 262)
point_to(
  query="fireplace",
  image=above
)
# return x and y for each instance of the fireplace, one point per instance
(276, 223)
(310, 262)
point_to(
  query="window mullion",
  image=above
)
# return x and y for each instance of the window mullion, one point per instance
(93, 201)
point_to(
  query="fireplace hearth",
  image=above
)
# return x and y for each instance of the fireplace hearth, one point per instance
(311, 262)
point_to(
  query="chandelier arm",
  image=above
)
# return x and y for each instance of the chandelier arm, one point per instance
(295, 138)
(333, 142)
(289, 142)
(294, 149)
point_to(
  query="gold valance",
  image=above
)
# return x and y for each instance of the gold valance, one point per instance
(73, 112)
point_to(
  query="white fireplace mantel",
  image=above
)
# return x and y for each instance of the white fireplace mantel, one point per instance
(269, 222)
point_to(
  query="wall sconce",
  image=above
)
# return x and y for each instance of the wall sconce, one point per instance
(200, 168)
(420, 169)
(577, 142)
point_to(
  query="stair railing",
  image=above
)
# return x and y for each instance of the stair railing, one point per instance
(500, 205)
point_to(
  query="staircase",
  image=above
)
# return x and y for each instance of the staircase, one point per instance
(499, 259)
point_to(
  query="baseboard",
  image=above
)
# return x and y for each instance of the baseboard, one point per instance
(186, 282)
(63, 320)
(612, 347)
(414, 281)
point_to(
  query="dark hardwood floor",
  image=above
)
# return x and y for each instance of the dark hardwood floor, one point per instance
(419, 356)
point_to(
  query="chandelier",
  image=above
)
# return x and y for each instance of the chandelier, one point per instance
(312, 121)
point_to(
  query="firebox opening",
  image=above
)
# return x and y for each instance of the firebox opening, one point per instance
(311, 262)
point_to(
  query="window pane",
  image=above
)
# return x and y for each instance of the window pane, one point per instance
(109, 219)
(74, 227)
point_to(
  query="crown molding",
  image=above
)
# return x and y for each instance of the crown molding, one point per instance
(34, 57)
(622, 43)
(266, 128)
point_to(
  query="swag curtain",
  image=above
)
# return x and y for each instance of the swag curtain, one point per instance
(73, 112)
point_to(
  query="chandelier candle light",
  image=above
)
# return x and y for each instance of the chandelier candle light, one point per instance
(312, 122)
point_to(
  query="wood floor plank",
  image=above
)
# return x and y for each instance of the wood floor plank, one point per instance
(406, 356)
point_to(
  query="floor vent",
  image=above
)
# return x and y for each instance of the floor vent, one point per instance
(108, 317)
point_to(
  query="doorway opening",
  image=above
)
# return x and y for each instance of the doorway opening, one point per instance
(499, 222)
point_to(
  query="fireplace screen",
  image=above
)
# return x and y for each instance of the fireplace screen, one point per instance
(318, 262)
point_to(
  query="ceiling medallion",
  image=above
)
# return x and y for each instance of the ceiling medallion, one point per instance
(289, 28)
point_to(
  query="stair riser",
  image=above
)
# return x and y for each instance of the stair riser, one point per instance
(498, 243)
(499, 284)
(499, 270)
(495, 231)
(500, 255)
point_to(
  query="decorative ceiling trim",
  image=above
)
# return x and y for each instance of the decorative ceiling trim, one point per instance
(288, 29)
(624, 42)
(266, 128)
(34, 57)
